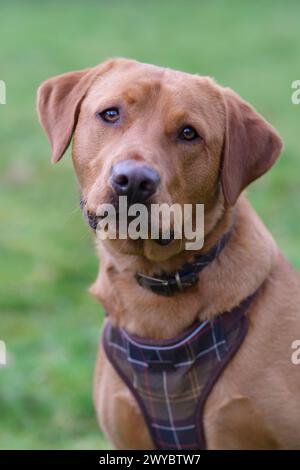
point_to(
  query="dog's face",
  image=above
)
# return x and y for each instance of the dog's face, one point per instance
(151, 134)
(150, 117)
(155, 135)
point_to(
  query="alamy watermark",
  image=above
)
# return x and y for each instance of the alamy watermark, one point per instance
(2, 354)
(295, 357)
(295, 98)
(2, 92)
(155, 222)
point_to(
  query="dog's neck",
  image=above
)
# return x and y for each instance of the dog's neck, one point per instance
(168, 284)
(245, 263)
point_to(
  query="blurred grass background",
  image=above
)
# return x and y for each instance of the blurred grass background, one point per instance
(50, 324)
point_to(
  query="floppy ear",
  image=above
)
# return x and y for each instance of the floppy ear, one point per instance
(59, 100)
(251, 146)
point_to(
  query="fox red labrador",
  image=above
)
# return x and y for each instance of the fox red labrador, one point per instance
(197, 347)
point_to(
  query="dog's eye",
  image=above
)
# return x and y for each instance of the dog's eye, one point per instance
(188, 133)
(110, 115)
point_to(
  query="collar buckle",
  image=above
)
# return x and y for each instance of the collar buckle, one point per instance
(167, 287)
(185, 277)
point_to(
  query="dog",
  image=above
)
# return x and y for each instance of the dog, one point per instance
(158, 135)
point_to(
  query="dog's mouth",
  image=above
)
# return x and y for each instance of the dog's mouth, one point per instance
(164, 239)
(91, 217)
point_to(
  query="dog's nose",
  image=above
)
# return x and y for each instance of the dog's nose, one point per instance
(137, 182)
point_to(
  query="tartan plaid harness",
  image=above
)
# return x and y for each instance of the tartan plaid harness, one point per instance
(172, 379)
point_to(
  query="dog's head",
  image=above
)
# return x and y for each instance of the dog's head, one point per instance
(155, 135)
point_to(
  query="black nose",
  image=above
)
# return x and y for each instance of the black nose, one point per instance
(137, 182)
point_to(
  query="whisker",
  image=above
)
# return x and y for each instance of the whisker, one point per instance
(70, 215)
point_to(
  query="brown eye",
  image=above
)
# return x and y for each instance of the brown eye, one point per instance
(110, 115)
(188, 133)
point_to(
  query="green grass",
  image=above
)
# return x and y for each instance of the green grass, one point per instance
(50, 324)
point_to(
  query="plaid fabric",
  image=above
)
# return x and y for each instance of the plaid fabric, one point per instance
(171, 380)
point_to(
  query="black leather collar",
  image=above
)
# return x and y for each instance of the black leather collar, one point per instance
(170, 284)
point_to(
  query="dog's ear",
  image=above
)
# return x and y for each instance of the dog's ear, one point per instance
(59, 100)
(251, 146)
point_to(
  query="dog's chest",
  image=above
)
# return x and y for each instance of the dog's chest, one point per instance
(171, 380)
